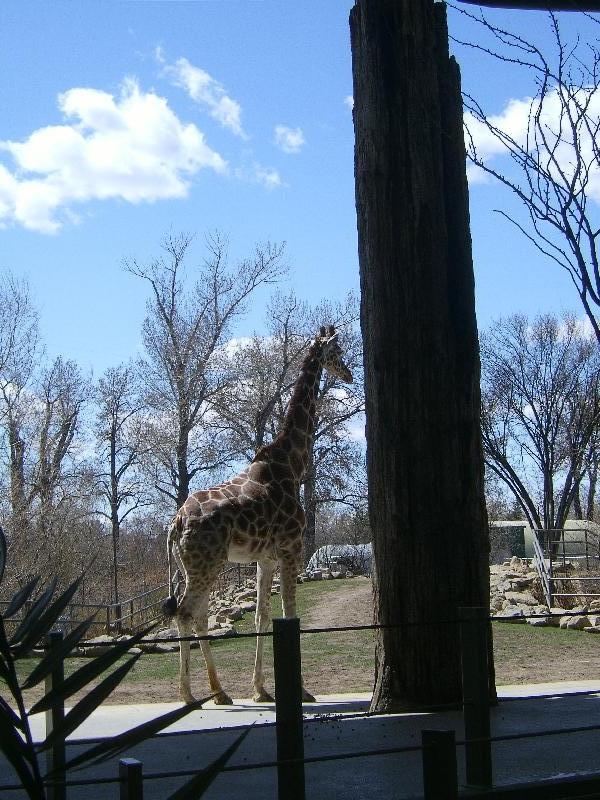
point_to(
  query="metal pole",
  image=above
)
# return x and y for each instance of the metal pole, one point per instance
(476, 698)
(131, 780)
(56, 755)
(288, 708)
(440, 779)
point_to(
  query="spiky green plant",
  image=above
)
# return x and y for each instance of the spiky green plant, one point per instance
(15, 731)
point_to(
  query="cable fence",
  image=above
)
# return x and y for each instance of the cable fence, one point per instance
(438, 748)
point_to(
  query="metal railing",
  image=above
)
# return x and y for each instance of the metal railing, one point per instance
(556, 553)
(132, 614)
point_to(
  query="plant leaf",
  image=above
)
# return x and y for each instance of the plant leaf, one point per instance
(196, 787)
(58, 653)
(87, 704)
(21, 597)
(110, 748)
(11, 714)
(87, 673)
(16, 751)
(41, 627)
(34, 613)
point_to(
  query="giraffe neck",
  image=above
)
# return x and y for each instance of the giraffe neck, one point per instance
(299, 424)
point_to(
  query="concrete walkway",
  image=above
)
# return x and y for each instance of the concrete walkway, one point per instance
(331, 728)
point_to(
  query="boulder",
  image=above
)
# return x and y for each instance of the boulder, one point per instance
(521, 598)
(511, 614)
(101, 645)
(574, 623)
(538, 622)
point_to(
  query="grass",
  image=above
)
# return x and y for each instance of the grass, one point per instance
(334, 662)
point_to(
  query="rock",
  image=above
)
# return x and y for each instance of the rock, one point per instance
(134, 651)
(349, 573)
(521, 598)
(249, 594)
(497, 602)
(513, 614)
(317, 575)
(248, 606)
(165, 633)
(517, 563)
(574, 623)
(538, 622)
(592, 629)
(101, 645)
(594, 605)
(520, 583)
(225, 632)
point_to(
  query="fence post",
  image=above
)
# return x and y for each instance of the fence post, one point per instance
(476, 697)
(288, 708)
(55, 755)
(131, 780)
(440, 780)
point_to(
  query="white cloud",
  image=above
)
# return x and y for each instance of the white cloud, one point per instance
(132, 147)
(206, 91)
(290, 140)
(349, 101)
(516, 122)
(256, 173)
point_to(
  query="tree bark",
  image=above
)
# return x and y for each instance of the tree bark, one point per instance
(424, 454)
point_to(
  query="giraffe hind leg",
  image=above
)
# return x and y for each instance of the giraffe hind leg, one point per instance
(221, 698)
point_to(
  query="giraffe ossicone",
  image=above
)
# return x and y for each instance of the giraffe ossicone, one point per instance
(254, 516)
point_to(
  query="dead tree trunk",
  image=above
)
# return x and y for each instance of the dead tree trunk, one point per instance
(425, 461)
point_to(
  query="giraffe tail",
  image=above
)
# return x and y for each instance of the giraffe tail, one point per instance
(169, 607)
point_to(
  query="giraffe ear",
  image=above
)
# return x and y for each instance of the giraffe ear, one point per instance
(331, 330)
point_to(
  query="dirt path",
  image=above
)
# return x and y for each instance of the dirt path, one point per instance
(352, 605)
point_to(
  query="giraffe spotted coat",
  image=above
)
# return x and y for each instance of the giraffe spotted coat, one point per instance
(254, 516)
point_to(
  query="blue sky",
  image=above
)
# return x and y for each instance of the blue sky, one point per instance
(228, 115)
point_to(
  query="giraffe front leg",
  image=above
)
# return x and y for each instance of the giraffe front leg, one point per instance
(289, 573)
(264, 580)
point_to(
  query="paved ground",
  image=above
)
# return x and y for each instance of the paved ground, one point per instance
(331, 728)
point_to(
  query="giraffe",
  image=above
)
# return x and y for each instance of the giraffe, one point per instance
(254, 516)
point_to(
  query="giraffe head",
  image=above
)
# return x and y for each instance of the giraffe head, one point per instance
(331, 354)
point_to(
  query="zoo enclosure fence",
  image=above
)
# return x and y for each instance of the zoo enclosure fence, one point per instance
(132, 614)
(567, 562)
(438, 748)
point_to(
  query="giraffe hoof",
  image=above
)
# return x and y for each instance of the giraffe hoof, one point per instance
(263, 697)
(307, 697)
(188, 698)
(222, 699)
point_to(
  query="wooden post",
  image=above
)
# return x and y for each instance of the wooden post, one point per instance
(288, 707)
(131, 780)
(56, 755)
(476, 694)
(421, 353)
(440, 780)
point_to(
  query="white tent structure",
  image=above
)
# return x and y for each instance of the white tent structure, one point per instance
(355, 557)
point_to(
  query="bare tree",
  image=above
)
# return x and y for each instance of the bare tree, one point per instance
(554, 152)
(540, 411)
(19, 353)
(183, 370)
(120, 434)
